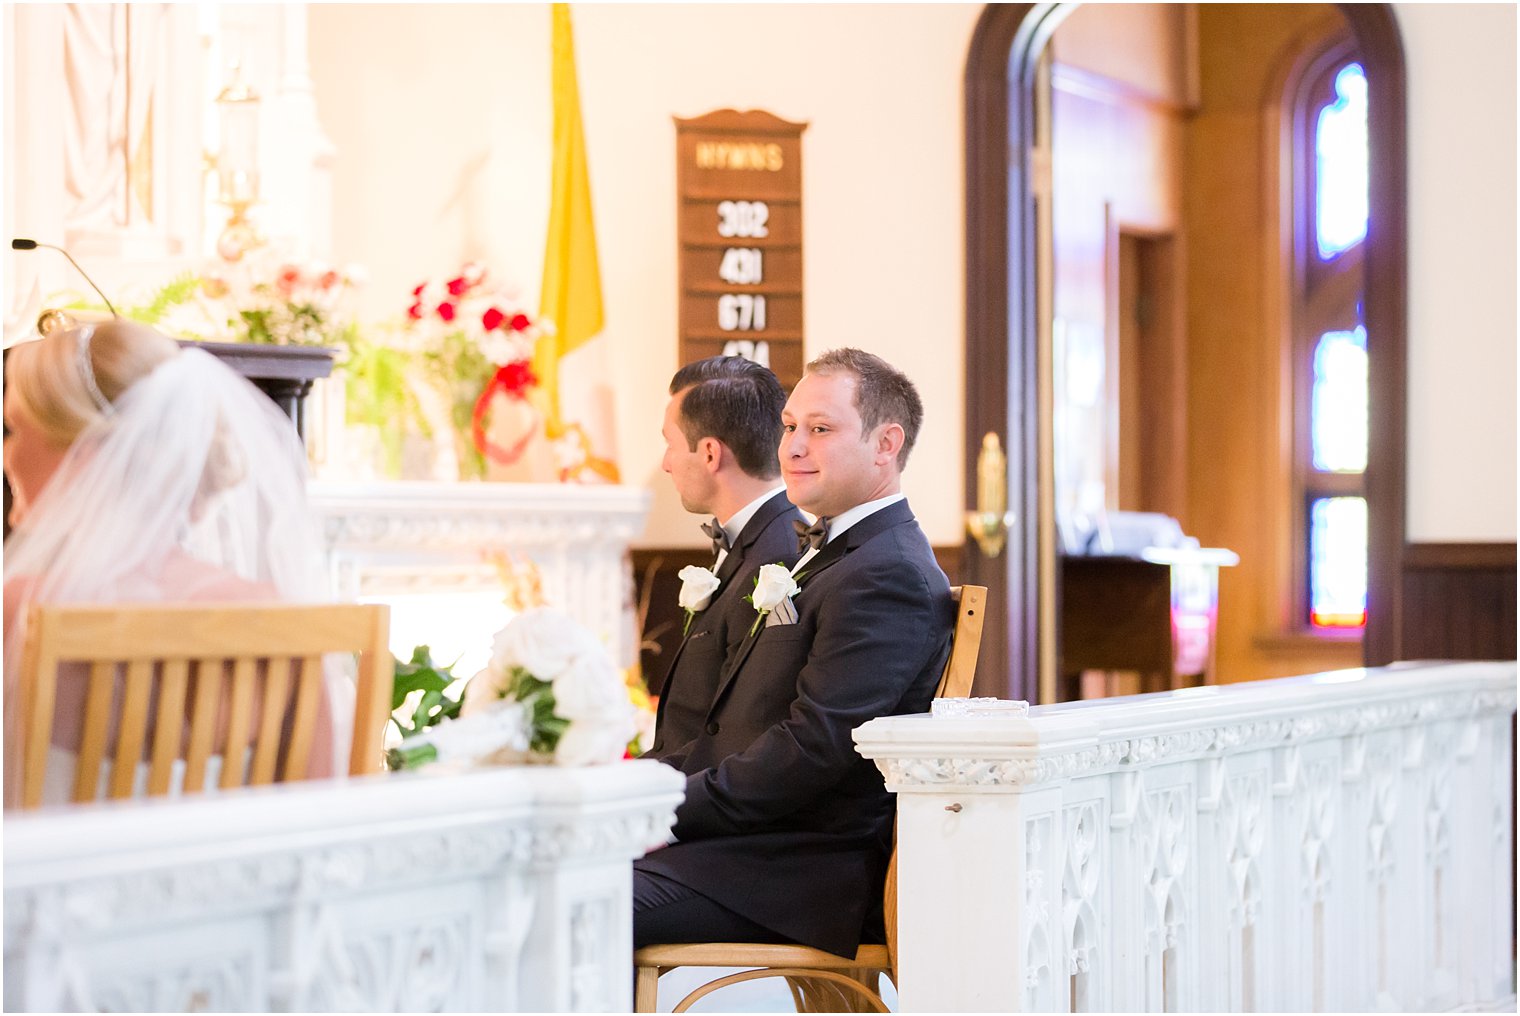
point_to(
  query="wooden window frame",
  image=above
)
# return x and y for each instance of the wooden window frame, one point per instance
(1002, 394)
(1324, 296)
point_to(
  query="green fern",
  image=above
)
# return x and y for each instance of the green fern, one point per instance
(377, 393)
(179, 290)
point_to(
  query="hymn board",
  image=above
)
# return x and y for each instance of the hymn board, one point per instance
(739, 203)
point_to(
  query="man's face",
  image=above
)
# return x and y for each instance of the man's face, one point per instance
(829, 465)
(688, 469)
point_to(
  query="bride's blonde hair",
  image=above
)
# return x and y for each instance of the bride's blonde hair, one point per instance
(49, 383)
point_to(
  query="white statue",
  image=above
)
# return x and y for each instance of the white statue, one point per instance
(112, 59)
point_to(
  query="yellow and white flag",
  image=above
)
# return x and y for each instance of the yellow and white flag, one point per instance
(577, 388)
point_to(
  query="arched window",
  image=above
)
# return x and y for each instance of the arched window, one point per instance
(1328, 104)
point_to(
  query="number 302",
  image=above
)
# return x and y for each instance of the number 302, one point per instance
(742, 218)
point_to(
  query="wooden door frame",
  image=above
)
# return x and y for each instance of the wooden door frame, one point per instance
(1002, 382)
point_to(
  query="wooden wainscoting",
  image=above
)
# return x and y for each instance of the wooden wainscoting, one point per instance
(1459, 602)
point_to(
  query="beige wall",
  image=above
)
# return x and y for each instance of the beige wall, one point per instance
(440, 117)
(1462, 327)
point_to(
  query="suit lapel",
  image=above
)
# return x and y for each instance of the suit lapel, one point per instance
(732, 565)
(835, 551)
(866, 529)
(752, 530)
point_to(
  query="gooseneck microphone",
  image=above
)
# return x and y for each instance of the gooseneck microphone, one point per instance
(20, 243)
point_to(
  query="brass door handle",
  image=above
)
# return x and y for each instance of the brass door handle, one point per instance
(989, 523)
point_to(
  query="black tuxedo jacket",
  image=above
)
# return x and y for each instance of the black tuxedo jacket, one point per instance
(783, 822)
(768, 537)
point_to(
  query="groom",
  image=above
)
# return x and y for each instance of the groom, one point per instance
(721, 429)
(785, 831)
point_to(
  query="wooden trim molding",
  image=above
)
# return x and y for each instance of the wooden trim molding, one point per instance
(1002, 334)
(1386, 309)
(1459, 556)
(1002, 394)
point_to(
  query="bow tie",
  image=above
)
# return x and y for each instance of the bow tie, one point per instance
(814, 536)
(716, 532)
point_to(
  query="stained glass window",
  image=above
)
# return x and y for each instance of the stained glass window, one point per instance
(1340, 165)
(1331, 338)
(1338, 562)
(1338, 403)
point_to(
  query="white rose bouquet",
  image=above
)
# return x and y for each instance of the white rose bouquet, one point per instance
(550, 693)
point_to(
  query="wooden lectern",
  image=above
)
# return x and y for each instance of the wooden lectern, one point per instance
(1154, 613)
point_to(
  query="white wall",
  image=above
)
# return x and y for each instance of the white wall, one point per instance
(1462, 325)
(441, 119)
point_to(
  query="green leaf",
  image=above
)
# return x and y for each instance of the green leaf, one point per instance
(421, 672)
(429, 682)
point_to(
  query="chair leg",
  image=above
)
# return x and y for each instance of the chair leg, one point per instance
(799, 994)
(849, 991)
(870, 981)
(646, 989)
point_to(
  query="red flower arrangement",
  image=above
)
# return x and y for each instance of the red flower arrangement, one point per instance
(480, 342)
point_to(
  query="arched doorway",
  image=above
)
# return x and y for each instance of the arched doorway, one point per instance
(1002, 376)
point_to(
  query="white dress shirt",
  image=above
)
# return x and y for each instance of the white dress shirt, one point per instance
(844, 520)
(735, 524)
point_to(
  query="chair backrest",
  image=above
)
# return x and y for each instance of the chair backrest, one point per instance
(965, 642)
(268, 657)
(960, 669)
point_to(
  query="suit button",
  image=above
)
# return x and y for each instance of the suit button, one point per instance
(712, 728)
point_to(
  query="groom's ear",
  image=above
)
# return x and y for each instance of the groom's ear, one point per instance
(888, 441)
(712, 451)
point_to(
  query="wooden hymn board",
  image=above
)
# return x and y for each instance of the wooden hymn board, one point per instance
(739, 203)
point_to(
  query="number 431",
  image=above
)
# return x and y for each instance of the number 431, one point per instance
(742, 266)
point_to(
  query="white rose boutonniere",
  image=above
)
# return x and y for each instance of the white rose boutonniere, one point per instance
(697, 588)
(773, 585)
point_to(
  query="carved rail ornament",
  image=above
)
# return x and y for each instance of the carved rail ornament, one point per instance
(504, 889)
(1055, 764)
(1338, 842)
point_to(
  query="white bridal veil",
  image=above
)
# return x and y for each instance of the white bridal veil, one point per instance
(192, 467)
(193, 460)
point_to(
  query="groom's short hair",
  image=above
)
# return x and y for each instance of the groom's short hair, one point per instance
(883, 394)
(737, 401)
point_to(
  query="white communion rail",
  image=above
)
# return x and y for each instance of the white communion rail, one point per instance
(1336, 842)
(504, 890)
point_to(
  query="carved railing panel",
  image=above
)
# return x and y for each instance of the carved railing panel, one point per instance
(506, 890)
(1327, 843)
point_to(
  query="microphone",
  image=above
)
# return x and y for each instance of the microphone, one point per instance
(20, 243)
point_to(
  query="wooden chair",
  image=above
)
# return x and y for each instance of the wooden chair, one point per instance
(820, 981)
(184, 653)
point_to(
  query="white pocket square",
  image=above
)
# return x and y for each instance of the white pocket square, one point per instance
(784, 613)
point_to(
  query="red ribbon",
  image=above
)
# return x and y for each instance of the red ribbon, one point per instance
(499, 383)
